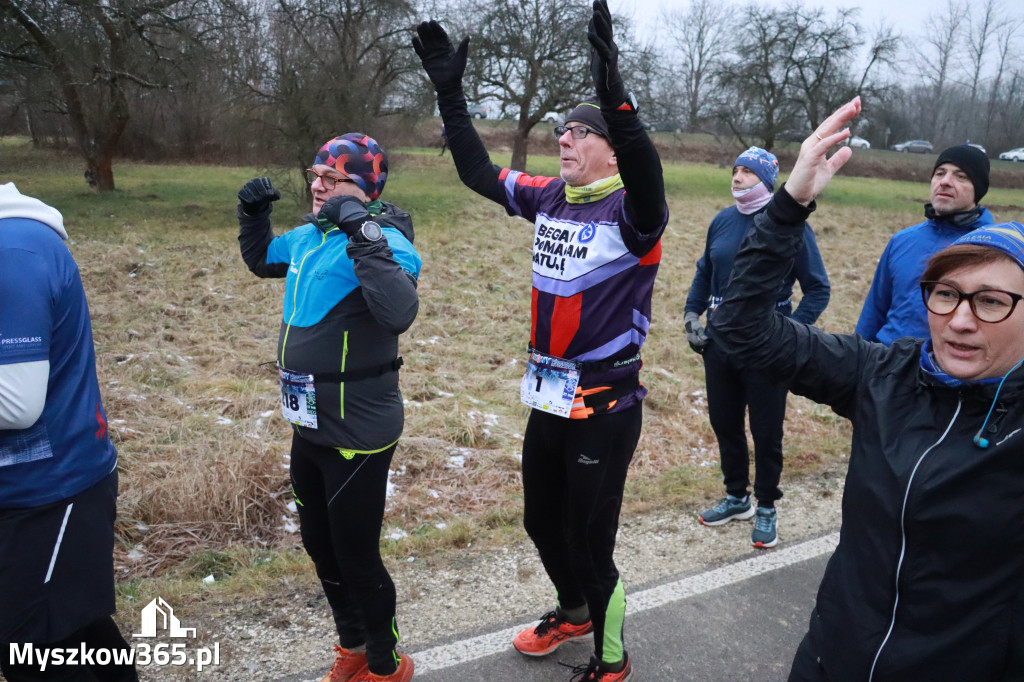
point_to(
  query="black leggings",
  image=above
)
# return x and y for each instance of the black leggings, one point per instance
(341, 510)
(100, 634)
(574, 471)
(731, 392)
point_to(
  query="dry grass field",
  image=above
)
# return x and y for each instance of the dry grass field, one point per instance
(182, 329)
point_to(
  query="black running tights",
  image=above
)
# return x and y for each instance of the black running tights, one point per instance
(341, 509)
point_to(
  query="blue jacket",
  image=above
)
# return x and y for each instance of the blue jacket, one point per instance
(345, 304)
(714, 267)
(894, 307)
(44, 316)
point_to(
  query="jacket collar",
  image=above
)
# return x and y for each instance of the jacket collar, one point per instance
(965, 220)
(931, 375)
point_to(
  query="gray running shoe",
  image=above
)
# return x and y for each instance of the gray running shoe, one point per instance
(728, 509)
(765, 533)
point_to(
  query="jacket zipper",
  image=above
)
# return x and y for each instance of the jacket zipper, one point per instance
(903, 537)
(295, 292)
(341, 385)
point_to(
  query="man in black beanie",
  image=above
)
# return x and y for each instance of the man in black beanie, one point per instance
(894, 307)
(596, 252)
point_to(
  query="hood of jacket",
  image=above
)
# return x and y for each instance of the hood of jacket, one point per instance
(14, 204)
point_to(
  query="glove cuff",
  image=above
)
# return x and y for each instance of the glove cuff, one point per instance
(612, 98)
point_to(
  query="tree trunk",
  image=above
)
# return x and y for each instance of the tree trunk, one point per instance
(99, 173)
(520, 146)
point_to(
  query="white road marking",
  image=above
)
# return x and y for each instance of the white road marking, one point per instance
(457, 653)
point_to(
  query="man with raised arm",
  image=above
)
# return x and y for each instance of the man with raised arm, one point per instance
(596, 251)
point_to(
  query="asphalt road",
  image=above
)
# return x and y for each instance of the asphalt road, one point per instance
(741, 622)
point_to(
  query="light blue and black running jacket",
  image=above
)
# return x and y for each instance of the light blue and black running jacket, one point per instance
(345, 304)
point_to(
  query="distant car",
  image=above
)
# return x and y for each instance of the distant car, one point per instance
(978, 147)
(1013, 155)
(916, 146)
(477, 111)
(857, 142)
(551, 117)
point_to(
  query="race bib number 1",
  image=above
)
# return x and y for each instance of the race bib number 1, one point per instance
(550, 384)
(298, 398)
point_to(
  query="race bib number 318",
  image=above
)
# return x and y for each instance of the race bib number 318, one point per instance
(298, 398)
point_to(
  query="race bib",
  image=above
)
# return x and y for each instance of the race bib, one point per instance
(550, 384)
(298, 398)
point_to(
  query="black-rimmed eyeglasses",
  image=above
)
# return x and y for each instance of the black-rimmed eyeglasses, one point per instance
(988, 305)
(328, 181)
(578, 132)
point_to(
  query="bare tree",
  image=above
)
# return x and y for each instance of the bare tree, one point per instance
(325, 67)
(978, 42)
(1006, 35)
(936, 58)
(83, 58)
(885, 47)
(699, 38)
(822, 60)
(532, 57)
(758, 80)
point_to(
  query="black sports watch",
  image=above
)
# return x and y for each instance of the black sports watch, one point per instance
(630, 104)
(370, 232)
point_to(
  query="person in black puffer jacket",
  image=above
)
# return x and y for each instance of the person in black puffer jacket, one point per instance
(928, 578)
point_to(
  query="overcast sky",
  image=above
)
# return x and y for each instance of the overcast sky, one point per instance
(905, 15)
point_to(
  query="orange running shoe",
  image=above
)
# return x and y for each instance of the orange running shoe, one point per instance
(595, 672)
(346, 665)
(402, 674)
(553, 631)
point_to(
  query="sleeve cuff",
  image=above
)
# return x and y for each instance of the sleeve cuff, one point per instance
(785, 210)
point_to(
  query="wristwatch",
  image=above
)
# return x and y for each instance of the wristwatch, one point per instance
(370, 232)
(630, 104)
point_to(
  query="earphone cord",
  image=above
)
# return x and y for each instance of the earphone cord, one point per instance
(978, 439)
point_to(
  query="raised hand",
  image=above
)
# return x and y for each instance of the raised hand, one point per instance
(813, 169)
(604, 57)
(344, 211)
(256, 195)
(443, 63)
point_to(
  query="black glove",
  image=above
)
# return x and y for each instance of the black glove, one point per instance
(257, 195)
(695, 335)
(344, 211)
(443, 63)
(604, 57)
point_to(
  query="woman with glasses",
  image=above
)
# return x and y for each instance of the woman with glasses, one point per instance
(927, 582)
(350, 289)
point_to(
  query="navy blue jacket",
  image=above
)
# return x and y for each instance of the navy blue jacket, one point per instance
(714, 267)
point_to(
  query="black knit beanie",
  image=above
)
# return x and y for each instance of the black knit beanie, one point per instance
(971, 161)
(589, 114)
